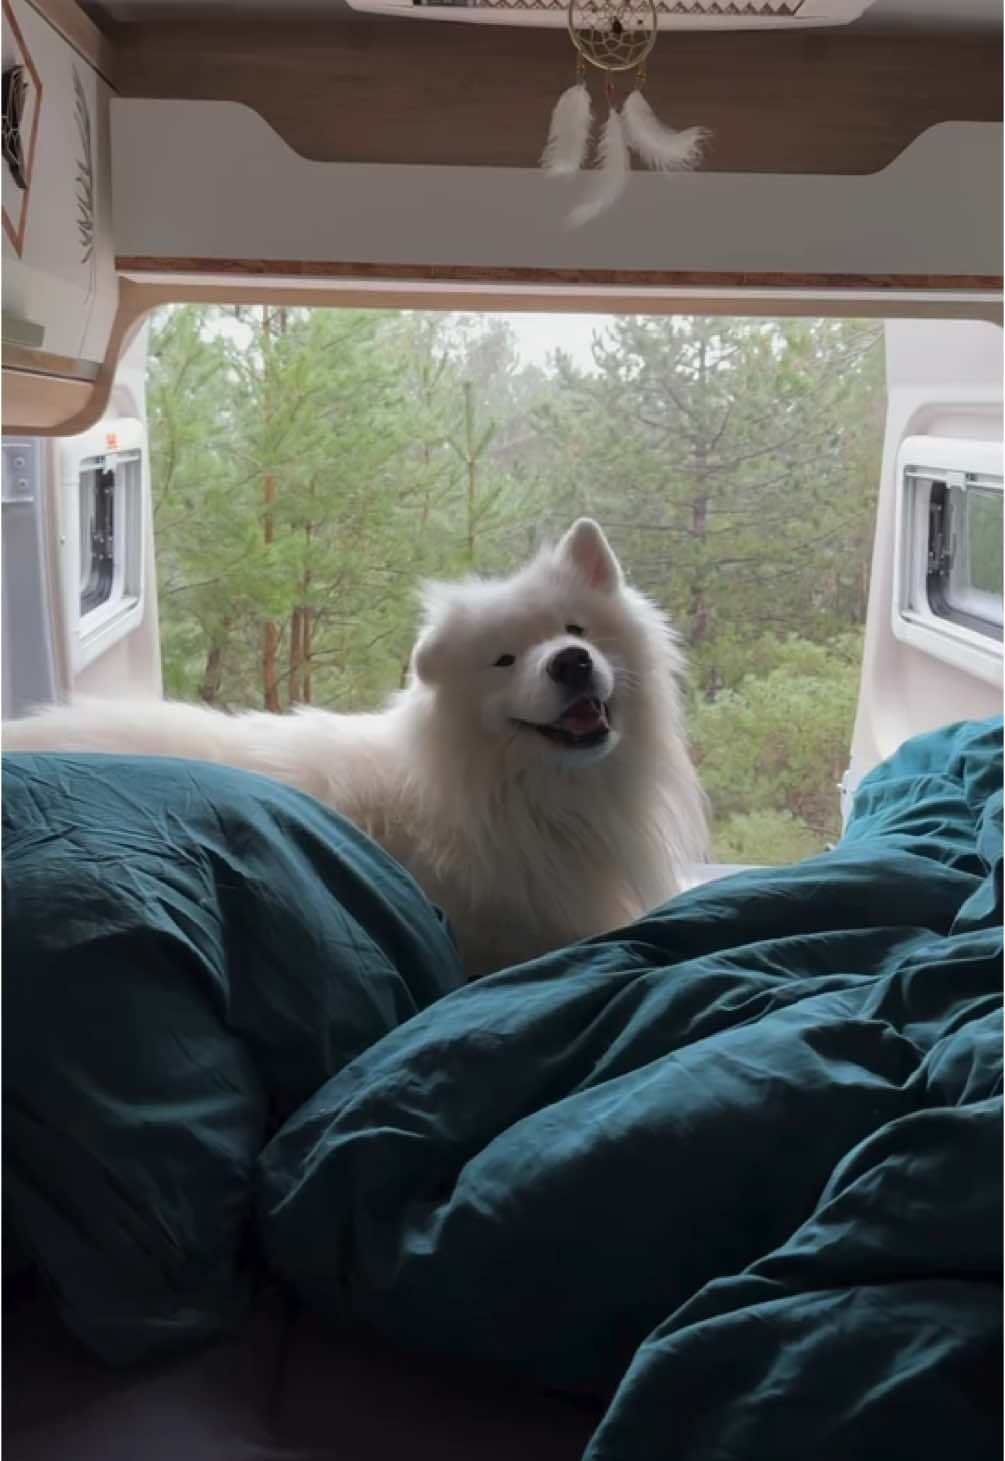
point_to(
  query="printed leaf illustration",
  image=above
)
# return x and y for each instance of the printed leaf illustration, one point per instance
(15, 90)
(84, 179)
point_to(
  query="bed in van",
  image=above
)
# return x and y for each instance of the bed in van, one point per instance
(277, 1181)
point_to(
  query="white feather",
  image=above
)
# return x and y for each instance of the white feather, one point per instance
(610, 178)
(569, 134)
(657, 145)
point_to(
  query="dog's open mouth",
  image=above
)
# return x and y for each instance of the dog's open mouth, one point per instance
(583, 723)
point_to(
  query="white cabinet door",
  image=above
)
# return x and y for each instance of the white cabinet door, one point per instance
(60, 287)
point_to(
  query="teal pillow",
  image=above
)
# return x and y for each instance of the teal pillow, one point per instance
(190, 951)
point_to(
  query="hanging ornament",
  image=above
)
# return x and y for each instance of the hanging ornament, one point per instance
(615, 37)
(569, 134)
(657, 145)
(610, 177)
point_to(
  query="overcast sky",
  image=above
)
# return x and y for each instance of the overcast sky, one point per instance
(539, 335)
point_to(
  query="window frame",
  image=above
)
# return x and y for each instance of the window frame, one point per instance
(932, 472)
(99, 584)
(946, 496)
(106, 605)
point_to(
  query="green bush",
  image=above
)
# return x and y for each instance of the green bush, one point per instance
(775, 749)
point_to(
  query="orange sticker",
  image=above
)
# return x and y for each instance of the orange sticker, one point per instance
(111, 442)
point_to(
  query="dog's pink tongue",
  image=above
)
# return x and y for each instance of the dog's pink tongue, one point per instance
(582, 717)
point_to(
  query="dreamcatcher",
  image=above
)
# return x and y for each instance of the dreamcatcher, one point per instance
(615, 37)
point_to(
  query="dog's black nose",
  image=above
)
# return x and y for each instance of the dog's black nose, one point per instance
(571, 667)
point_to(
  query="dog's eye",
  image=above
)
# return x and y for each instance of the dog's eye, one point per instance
(504, 661)
(575, 629)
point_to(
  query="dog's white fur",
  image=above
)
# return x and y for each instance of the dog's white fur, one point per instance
(526, 844)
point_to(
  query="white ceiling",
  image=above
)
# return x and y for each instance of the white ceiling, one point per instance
(883, 15)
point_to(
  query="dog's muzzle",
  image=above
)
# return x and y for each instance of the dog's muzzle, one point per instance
(584, 723)
(572, 668)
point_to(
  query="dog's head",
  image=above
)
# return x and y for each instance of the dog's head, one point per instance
(551, 663)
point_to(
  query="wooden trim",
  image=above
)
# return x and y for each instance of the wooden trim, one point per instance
(396, 91)
(16, 236)
(79, 32)
(46, 402)
(83, 402)
(137, 297)
(555, 278)
(43, 362)
(342, 294)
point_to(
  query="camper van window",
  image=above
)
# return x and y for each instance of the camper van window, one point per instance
(965, 555)
(947, 597)
(104, 492)
(310, 467)
(97, 536)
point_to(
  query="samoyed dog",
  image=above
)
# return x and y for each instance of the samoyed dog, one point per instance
(533, 776)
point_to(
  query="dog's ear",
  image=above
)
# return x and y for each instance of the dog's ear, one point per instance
(427, 655)
(589, 552)
(430, 647)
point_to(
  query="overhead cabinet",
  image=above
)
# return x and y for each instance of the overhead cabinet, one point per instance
(60, 286)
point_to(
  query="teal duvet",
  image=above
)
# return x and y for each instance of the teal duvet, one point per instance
(189, 952)
(734, 1172)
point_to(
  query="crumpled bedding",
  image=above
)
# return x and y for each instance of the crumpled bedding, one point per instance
(731, 1175)
(735, 1170)
(189, 953)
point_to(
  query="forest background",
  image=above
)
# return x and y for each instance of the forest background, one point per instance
(311, 467)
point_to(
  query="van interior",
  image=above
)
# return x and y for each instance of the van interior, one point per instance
(725, 1182)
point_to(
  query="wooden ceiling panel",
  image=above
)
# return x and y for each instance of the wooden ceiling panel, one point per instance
(396, 92)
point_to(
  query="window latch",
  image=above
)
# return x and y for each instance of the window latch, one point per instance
(940, 558)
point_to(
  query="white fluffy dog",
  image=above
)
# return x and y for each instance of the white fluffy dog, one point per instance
(533, 776)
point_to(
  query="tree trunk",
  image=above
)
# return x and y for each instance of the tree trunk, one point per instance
(472, 487)
(209, 690)
(426, 490)
(270, 685)
(296, 654)
(699, 514)
(305, 610)
(270, 633)
(471, 465)
(699, 607)
(699, 615)
(270, 636)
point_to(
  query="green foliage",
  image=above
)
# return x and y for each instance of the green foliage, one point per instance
(765, 837)
(984, 533)
(778, 744)
(309, 467)
(734, 462)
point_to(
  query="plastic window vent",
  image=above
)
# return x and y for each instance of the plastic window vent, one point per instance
(97, 537)
(947, 581)
(963, 568)
(108, 505)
